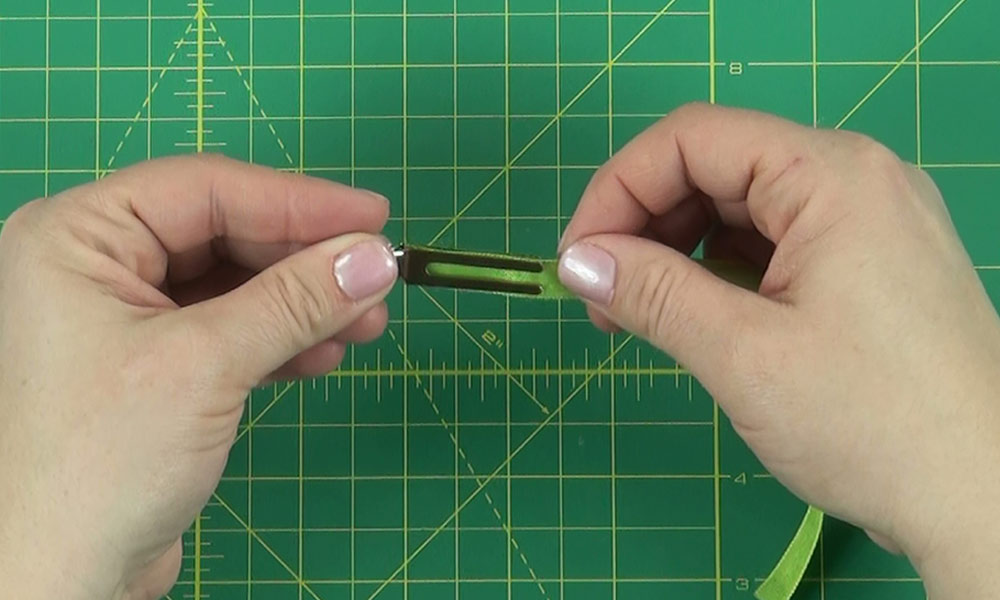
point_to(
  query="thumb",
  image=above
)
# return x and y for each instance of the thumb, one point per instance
(666, 298)
(295, 304)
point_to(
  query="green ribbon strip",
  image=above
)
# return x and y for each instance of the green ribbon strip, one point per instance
(553, 289)
(547, 279)
(787, 574)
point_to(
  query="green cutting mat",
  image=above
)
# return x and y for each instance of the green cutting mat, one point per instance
(486, 449)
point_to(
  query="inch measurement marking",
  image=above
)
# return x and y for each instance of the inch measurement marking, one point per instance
(200, 93)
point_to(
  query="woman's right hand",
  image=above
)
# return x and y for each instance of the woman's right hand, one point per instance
(865, 374)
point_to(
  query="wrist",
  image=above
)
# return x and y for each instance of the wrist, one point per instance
(955, 543)
(962, 563)
(35, 563)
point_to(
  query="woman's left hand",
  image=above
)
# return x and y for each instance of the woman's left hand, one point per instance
(136, 313)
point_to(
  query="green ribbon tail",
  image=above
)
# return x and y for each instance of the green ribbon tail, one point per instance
(787, 574)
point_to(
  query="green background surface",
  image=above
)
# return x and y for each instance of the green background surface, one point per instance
(636, 488)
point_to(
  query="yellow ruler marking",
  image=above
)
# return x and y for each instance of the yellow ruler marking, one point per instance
(97, 101)
(815, 64)
(919, 95)
(712, 75)
(506, 370)
(200, 77)
(197, 557)
(253, 98)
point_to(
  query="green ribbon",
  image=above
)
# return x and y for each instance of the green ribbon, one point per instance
(787, 574)
(547, 279)
(553, 289)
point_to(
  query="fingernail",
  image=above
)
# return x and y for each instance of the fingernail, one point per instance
(375, 195)
(365, 269)
(589, 272)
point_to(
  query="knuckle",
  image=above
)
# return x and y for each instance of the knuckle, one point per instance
(206, 162)
(209, 159)
(872, 154)
(298, 303)
(23, 228)
(689, 112)
(924, 183)
(776, 198)
(604, 179)
(692, 109)
(886, 177)
(880, 157)
(925, 180)
(19, 218)
(853, 140)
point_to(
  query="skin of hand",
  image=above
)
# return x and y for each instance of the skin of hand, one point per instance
(137, 314)
(865, 373)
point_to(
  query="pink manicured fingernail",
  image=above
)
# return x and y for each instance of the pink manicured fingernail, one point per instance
(365, 269)
(589, 272)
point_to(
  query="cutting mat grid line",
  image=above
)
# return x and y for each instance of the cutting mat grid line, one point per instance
(631, 485)
(814, 38)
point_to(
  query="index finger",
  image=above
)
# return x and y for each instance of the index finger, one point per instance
(721, 152)
(188, 213)
(187, 201)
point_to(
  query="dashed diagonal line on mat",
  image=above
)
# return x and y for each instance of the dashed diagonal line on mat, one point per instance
(149, 98)
(496, 472)
(505, 370)
(253, 95)
(468, 465)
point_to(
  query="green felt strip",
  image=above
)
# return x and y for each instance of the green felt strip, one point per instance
(787, 574)
(553, 289)
(547, 279)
